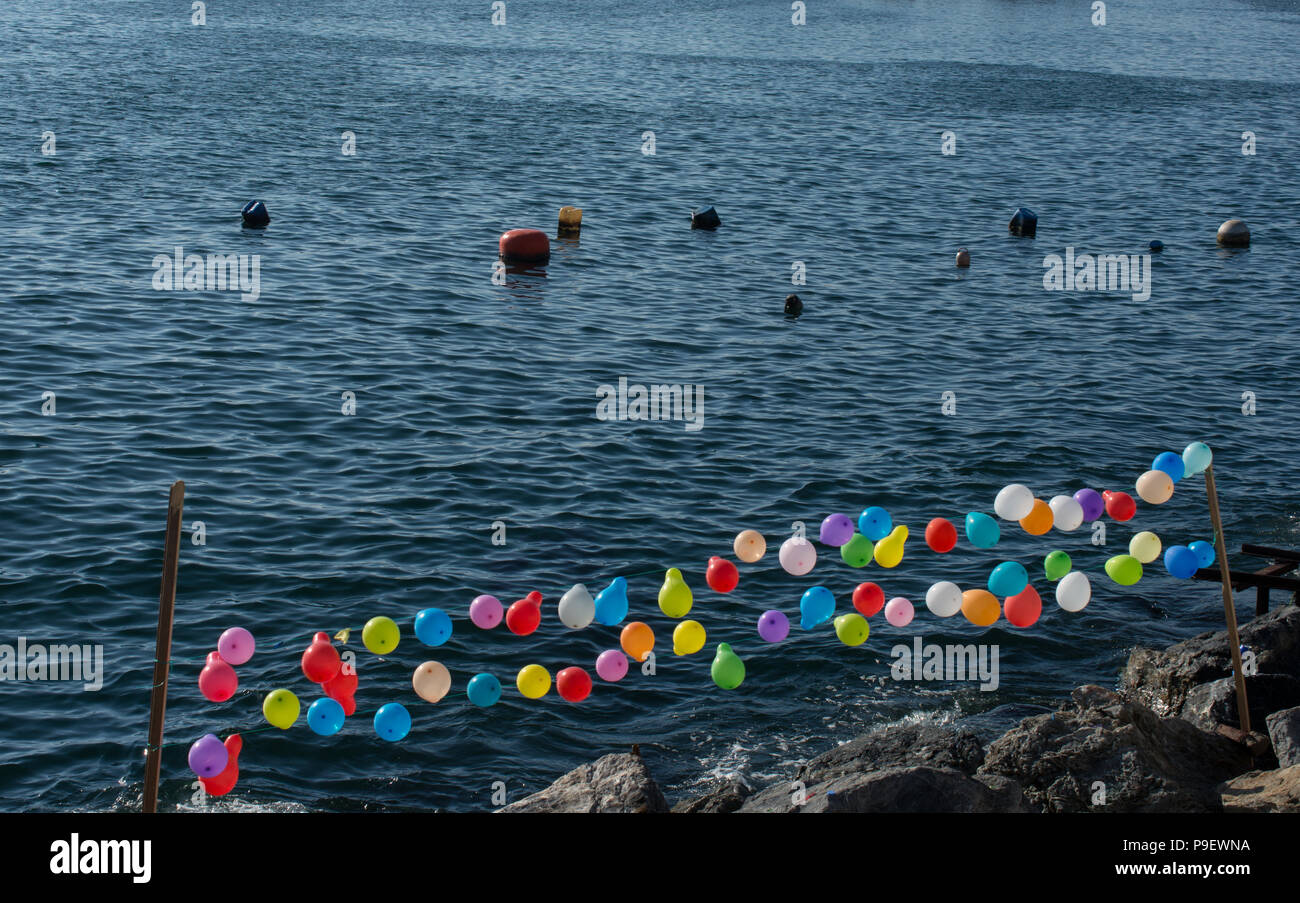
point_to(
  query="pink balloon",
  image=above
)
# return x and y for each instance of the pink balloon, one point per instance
(486, 612)
(611, 665)
(899, 612)
(236, 646)
(797, 556)
(217, 681)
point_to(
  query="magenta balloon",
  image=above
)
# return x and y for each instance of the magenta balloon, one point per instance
(837, 529)
(1093, 505)
(236, 646)
(208, 756)
(486, 612)
(611, 665)
(217, 680)
(773, 626)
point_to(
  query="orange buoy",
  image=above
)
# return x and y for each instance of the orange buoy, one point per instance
(526, 245)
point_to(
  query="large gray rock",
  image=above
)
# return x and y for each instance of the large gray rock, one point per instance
(726, 796)
(1161, 679)
(1263, 791)
(898, 746)
(619, 782)
(1215, 703)
(893, 790)
(1284, 731)
(1145, 763)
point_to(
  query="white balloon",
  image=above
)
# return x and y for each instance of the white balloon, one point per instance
(1014, 502)
(943, 599)
(576, 608)
(1067, 514)
(1074, 591)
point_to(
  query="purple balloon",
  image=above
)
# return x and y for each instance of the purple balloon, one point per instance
(837, 529)
(1092, 503)
(486, 612)
(773, 626)
(611, 665)
(208, 756)
(236, 646)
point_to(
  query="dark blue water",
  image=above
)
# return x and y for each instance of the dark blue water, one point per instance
(476, 402)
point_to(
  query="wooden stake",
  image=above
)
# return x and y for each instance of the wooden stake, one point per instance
(163, 647)
(1229, 610)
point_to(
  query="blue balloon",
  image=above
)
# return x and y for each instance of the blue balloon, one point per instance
(433, 627)
(1196, 457)
(1008, 578)
(816, 606)
(982, 530)
(1180, 561)
(611, 603)
(325, 716)
(1171, 464)
(875, 523)
(392, 721)
(1203, 551)
(483, 689)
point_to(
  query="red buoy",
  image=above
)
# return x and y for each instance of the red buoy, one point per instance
(526, 245)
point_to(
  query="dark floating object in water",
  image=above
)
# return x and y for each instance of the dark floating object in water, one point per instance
(1023, 222)
(963, 258)
(705, 219)
(1234, 234)
(525, 246)
(793, 306)
(1156, 246)
(570, 222)
(255, 215)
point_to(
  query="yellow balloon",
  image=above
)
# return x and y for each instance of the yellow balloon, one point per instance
(431, 681)
(688, 638)
(1144, 546)
(533, 681)
(675, 596)
(281, 708)
(889, 551)
(380, 635)
(749, 546)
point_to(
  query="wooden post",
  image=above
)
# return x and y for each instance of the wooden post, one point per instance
(1229, 611)
(163, 647)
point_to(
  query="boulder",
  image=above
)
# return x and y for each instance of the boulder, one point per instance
(619, 782)
(1263, 791)
(918, 788)
(1284, 731)
(1101, 742)
(726, 796)
(1215, 703)
(898, 745)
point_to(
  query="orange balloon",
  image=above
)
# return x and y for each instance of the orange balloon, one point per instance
(980, 606)
(749, 546)
(1039, 519)
(637, 640)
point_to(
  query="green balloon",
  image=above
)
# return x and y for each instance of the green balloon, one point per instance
(857, 551)
(1124, 569)
(728, 670)
(1056, 565)
(852, 629)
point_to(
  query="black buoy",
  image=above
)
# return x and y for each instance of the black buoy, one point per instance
(1023, 222)
(1156, 246)
(255, 215)
(793, 306)
(705, 219)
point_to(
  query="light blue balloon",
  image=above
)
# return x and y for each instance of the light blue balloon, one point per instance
(1171, 464)
(1204, 553)
(1196, 457)
(433, 627)
(325, 716)
(982, 530)
(483, 689)
(1180, 561)
(875, 523)
(611, 603)
(1008, 578)
(392, 721)
(816, 606)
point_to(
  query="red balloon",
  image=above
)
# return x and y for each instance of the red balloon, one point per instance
(217, 680)
(868, 599)
(1119, 505)
(523, 616)
(1024, 608)
(342, 688)
(574, 684)
(722, 575)
(321, 660)
(221, 784)
(940, 535)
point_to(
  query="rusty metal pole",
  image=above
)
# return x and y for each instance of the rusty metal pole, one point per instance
(163, 646)
(1229, 610)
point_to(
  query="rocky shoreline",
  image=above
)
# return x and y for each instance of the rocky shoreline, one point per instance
(1166, 740)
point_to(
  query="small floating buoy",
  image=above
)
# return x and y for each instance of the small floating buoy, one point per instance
(963, 257)
(570, 221)
(255, 215)
(525, 246)
(1234, 234)
(1156, 246)
(793, 306)
(705, 219)
(1023, 222)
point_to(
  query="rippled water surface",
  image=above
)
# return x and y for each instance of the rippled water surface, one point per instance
(475, 402)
